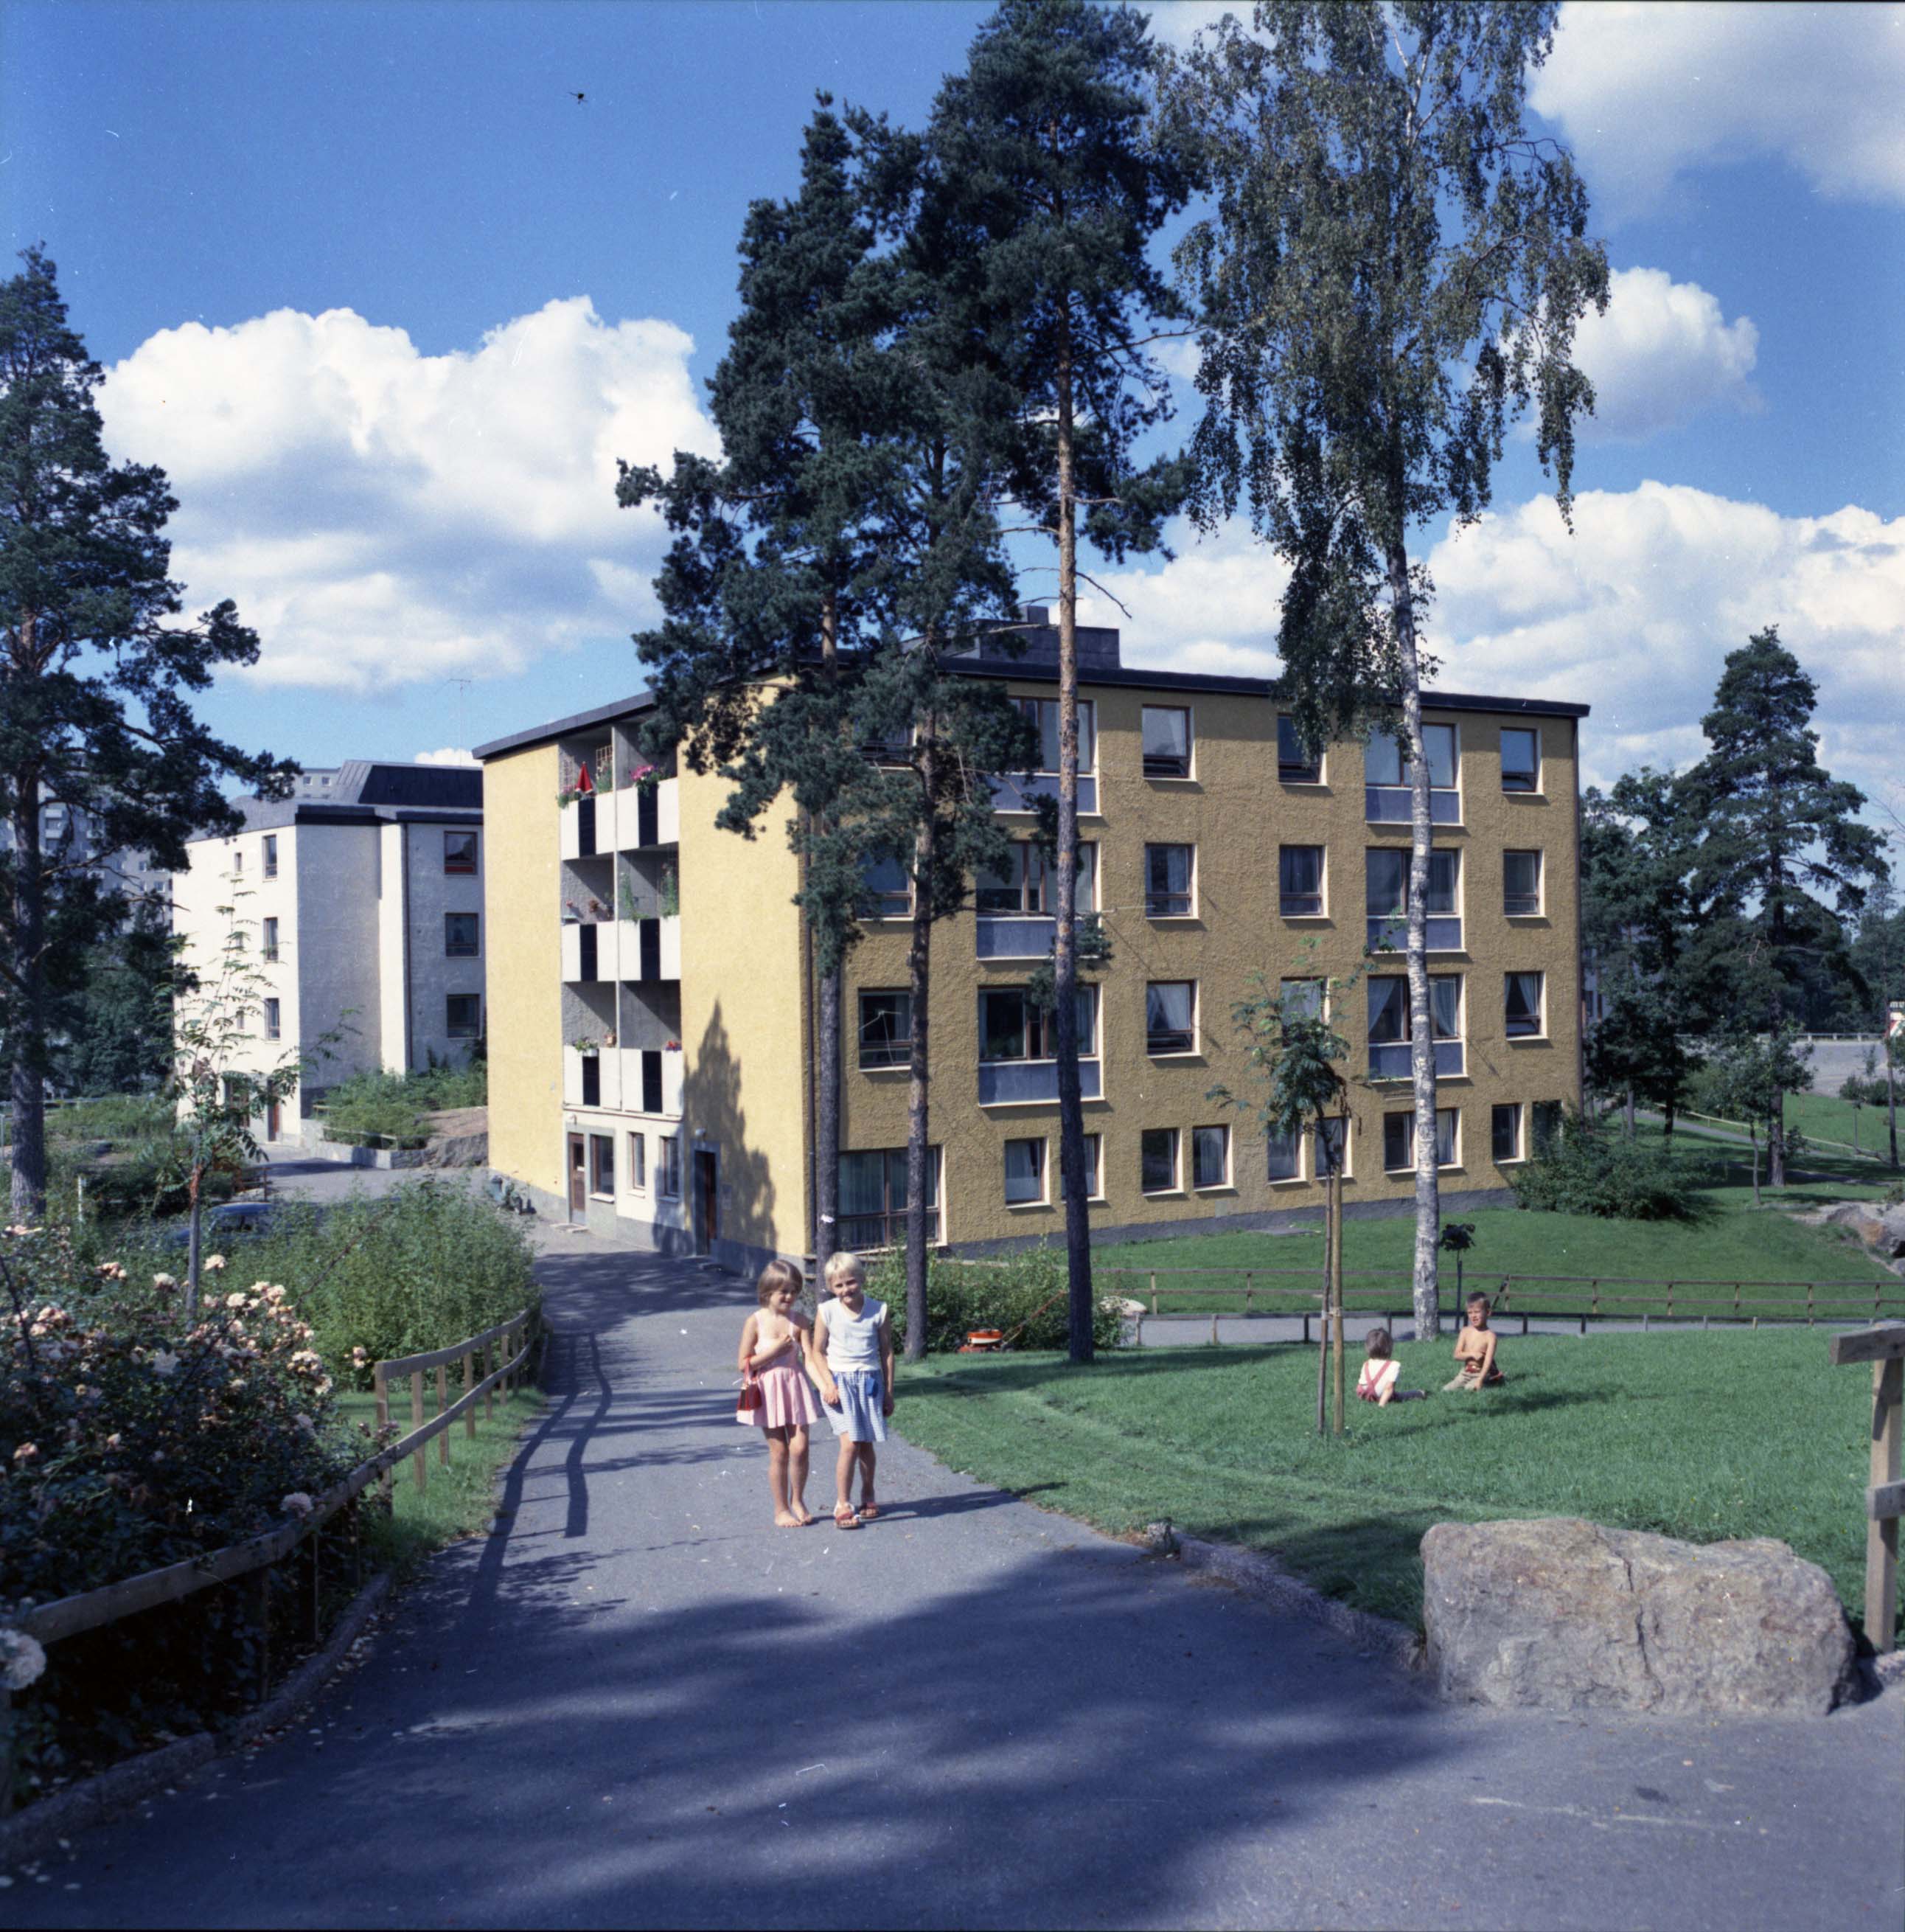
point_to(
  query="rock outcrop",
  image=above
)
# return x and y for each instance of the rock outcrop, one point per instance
(1559, 1614)
(460, 1137)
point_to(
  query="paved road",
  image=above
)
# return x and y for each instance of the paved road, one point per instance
(638, 1704)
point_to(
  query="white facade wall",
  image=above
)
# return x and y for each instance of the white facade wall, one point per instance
(418, 975)
(336, 948)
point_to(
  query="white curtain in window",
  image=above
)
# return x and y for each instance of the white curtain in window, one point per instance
(1445, 1007)
(1025, 1171)
(1389, 1011)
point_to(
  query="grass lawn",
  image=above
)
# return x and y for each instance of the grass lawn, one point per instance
(458, 1500)
(1705, 1436)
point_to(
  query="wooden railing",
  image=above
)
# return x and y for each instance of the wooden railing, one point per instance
(1884, 1347)
(111, 1603)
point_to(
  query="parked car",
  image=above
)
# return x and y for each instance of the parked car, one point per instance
(229, 1220)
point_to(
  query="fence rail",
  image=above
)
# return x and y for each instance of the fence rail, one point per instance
(112, 1602)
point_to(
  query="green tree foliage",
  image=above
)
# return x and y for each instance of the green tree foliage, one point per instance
(1583, 1169)
(1747, 1079)
(1779, 836)
(114, 1031)
(1044, 192)
(96, 676)
(1392, 270)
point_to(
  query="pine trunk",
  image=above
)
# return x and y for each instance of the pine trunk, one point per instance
(28, 1047)
(827, 1119)
(1072, 1180)
(919, 963)
(1322, 1320)
(1422, 1044)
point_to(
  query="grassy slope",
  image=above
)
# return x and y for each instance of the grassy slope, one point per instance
(1704, 1436)
(457, 1501)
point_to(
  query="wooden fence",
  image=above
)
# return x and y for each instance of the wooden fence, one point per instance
(1884, 1347)
(1264, 1291)
(111, 1602)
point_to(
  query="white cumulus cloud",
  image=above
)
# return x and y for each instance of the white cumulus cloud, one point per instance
(1633, 613)
(449, 755)
(1662, 354)
(382, 516)
(1644, 89)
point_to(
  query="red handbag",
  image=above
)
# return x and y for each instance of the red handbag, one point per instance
(751, 1397)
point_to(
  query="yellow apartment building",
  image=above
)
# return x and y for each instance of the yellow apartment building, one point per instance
(651, 1008)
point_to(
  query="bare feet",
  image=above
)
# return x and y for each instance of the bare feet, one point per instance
(785, 1519)
(802, 1514)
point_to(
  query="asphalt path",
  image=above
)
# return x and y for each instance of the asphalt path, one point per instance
(637, 1703)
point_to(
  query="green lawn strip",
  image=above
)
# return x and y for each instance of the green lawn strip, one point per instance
(1705, 1437)
(458, 1502)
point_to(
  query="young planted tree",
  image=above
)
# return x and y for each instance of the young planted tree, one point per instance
(1749, 1077)
(1291, 1050)
(94, 682)
(1046, 191)
(1392, 270)
(1778, 831)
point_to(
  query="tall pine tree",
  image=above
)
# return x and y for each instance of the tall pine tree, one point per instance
(1046, 193)
(1393, 269)
(95, 679)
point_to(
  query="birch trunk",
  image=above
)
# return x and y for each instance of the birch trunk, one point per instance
(827, 1045)
(919, 961)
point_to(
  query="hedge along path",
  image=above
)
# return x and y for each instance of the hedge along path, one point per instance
(111, 1603)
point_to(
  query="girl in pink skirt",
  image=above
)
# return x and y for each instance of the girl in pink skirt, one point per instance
(773, 1362)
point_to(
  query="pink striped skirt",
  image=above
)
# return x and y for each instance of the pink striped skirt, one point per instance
(787, 1401)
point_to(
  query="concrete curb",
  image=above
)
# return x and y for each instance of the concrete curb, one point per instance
(35, 1833)
(1266, 1580)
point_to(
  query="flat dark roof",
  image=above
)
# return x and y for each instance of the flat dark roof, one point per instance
(1032, 671)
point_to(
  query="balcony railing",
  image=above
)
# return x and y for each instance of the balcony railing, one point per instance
(1443, 932)
(652, 1080)
(1014, 936)
(648, 815)
(1021, 793)
(1389, 804)
(1004, 1081)
(1393, 1060)
(650, 948)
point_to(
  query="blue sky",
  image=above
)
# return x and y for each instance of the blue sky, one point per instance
(386, 302)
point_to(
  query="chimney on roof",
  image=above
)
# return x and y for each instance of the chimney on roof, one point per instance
(1037, 632)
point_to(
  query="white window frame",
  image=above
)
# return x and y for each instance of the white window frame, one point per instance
(1533, 788)
(1189, 771)
(1222, 1183)
(1539, 908)
(1041, 1174)
(1175, 1185)
(1540, 1029)
(1519, 1109)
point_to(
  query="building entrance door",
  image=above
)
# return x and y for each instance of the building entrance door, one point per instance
(271, 1124)
(578, 1180)
(707, 1200)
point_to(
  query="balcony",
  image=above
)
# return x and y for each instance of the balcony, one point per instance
(1005, 1082)
(1444, 932)
(648, 815)
(652, 1079)
(588, 825)
(650, 948)
(1018, 793)
(589, 950)
(591, 1079)
(1392, 1060)
(1389, 804)
(1025, 936)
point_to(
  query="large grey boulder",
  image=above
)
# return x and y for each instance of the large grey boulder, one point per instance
(1561, 1615)
(460, 1137)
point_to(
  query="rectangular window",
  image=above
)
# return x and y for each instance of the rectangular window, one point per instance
(1397, 1131)
(270, 947)
(237, 858)
(1300, 881)
(1012, 1027)
(271, 855)
(638, 1161)
(1390, 1031)
(873, 1198)
(1296, 764)
(1521, 882)
(1044, 712)
(1546, 1123)
(1449, 1122)
(886, 888)
(1388, 1009)
(462, 1016)
(1504, 1132)
(1385, 895)
(1285, 1157)
(1210, 1157)
(886, 1029)
(602, 1164)
(1444, 887)
(1330, 1140)
(1028, 886)
(1157, 1160)
(670, 1165)
(1301, 999)
(1524, 1005)
(1384, 764)
(1521, 759)
(460, 851)
(271, 1011)
(1167, 731)
(1167, 876)
(1094, 1167)
(1170, 1016)
(1025, 1172)
(459, 935)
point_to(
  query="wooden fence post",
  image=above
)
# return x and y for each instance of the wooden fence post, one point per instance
(469, 1382)
(383, 1418)
(442, 1403)
(1882, 1531)
(420, 1461)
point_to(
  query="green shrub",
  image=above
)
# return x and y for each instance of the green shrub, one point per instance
(1023, 1291)
(391, 1106)
(1586, 1168)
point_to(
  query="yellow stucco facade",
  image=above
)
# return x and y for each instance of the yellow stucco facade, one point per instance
(722, 1160)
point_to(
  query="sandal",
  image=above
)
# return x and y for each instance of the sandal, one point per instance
(848, 1521)
(868, 1509)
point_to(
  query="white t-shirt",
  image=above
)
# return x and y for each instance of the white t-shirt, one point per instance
(1377, 1375)
(853, 1340)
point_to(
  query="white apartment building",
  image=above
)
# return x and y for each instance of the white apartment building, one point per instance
(363, 902)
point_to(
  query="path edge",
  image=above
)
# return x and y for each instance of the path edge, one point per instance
(35, 1832)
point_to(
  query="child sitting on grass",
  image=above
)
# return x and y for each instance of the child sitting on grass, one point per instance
(1377, 1382)
(1476, 1364)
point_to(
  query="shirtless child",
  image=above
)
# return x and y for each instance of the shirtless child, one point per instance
(1476, 1364)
